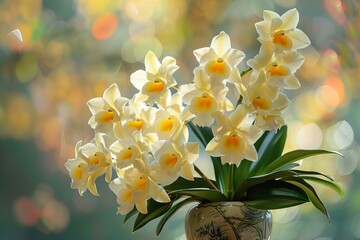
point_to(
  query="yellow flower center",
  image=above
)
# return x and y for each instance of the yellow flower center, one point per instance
(276, 70)
(170, 160)
(127, 193)
(155, 86)
(261, 103)
(94, 160)
(217, 67)
(167, 124)
(140, 184)
(77, 173)
(125, 154)
(232, 141)
(137, 124)
(107, 116)
(280, 38)
(204, 103)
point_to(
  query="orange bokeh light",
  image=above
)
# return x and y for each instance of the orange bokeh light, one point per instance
(105, 26)
(335, 83)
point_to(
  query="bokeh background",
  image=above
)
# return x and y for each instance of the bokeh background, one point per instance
(73, 49)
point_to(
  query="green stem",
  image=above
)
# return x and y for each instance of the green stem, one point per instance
(232, 170)
(205, 178)
(248, 69)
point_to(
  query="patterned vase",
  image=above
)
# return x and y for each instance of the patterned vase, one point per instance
(227, 220)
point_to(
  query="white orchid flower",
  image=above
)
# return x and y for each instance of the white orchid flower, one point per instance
(156, 80)
(203, 100)
(234, 137)
(281, 31)
(219, 60)
(106, 110)
(78, 170)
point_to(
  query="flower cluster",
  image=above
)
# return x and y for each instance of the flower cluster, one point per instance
(145, 139)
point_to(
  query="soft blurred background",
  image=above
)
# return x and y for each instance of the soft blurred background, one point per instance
(73, 49)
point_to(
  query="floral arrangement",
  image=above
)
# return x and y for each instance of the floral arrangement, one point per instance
(145, 140)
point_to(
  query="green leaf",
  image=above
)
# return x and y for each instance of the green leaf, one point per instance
(310, 192)
(269, 148)
(182, 183)
(326, 183)
(302, 173)
(171, 212)
(289, 166)
(293, 156)
(130, 214)
(253, 181)
(274, 194)
(206, 195)
(221, 171)
(242, 172)
(155, 209)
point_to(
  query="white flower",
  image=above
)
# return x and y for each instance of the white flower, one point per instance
(156, 80)
(281, 31)
(136, 188)
(174, 159)
(219, 60)
(78, 170)
(106, 110)
(203, 100)
(234, 137)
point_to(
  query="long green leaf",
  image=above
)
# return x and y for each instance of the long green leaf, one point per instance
(310, 192)
(293, 156)
(241, 173)
(270, 148)
(171, 212)
(155, 210)
(182, 183)
(274, 194)
(326, 183)
(206, 195)
(256, 180)
(311, 173)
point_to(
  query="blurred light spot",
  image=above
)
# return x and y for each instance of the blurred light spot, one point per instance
(54, 53)
(306, 109)
(55, 216)
(287, 215)
(49, 134)
(341, 135)
(143, 47)
(286, 3)
(335, 10)
(311, 56)
(258, 6)
(26, 68)
(328, 98)
(140, 10)
(309, 136)
(347, 164)
(104, 26)
(330, 61)
(26, 212)
(141, 30)
(338, 86)
(355, 226)
(19, 116)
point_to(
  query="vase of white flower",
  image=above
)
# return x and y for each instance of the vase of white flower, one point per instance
(227, 220)
(142, 145)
